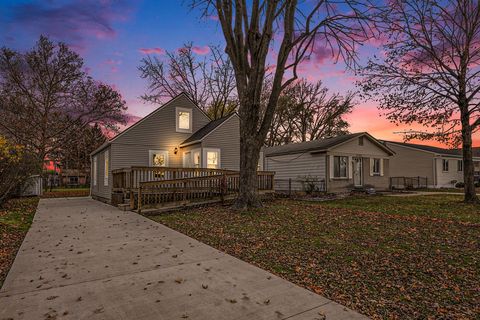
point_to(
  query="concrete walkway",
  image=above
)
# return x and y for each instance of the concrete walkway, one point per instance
(83, 259)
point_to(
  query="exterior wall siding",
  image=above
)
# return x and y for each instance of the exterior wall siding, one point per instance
(295, 167)
(445, 178)
(227, 139)
(408, 162)
(100, 190)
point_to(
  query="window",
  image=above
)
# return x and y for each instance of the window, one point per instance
(95, 170)
(340, 167)
(460, 165)
(376, 167)
(107, 168)
(445, 165)
(196, 159)
(184, 120)
(158, 158)
(211, 158)
(360, 141)
(73, 180)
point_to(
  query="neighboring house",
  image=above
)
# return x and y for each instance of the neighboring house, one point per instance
(335, 164)
(73, 177)
(442, 167)
(177, 134)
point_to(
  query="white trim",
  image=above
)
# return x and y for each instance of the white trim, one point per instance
(331, 166)
(106, 167)
(152, 152)
(381, 167)
(95, 170)
(199, 151)
(204, 157)
(371, 166)
(190, 119)
(350, 167)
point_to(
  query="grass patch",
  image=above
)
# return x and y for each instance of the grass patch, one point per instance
(15, 219)
(66, 192)
(412, 257)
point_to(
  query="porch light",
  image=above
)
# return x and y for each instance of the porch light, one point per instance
(175, 151)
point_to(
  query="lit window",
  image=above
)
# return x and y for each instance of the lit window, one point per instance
(184, 120)
(445, 165)
(460, 165)
(376, 167)
(158, 158)
(212, 159)
(196, 159)
(340, 167)
(107, 169)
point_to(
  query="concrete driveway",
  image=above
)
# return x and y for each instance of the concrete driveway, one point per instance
(83, 259)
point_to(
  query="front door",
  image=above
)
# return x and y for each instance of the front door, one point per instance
(357, 172)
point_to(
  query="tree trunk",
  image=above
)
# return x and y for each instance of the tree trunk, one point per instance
(468, 168)
(250, 147)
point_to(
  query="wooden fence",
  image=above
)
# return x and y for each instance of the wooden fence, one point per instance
(149, 187)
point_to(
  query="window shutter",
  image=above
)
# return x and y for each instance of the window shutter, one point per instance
(371, 167)
(350, 168)
(331, 166)
(381, 167)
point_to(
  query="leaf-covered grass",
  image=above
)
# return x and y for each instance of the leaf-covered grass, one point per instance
(15, 219)
(402, 258)
(433, 206)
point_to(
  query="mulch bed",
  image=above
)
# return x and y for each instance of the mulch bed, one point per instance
(395, 266)
(15, 218)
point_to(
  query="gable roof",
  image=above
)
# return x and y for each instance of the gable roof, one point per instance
(107, 143)
(201, 133)
(432, 149)
(321, 145)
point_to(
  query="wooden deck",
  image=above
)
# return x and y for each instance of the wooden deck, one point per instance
(162, 187)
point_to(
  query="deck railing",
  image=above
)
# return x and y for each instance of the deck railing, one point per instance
(161, 186)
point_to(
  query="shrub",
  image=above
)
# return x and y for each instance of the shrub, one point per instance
(16, 165)
(459, 185)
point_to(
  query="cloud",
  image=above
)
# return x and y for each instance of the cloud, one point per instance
(71, 22)
(155, 50)
(201, 50)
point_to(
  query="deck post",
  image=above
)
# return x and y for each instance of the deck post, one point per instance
(139, 199)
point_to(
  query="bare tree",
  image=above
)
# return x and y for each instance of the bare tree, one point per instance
(430, 71)
(249, 29)
(209, 82)
(45, 97)
(307, 112)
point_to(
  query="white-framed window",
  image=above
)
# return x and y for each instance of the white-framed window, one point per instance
(95, 170)
(106, 167)
(460, 165)
(183, 118)
(340, 166)
(196, 158)
(211, 158)
(376, 166)
(158, 158)
(445, 165)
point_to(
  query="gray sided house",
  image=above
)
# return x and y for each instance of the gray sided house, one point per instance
(177, 134)
(441, 167)
(335, 164)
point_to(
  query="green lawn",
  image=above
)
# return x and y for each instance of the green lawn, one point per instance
(15, 219)
(404, 258)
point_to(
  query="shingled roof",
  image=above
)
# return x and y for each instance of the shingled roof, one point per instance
(198, 135)
(317, 145)
(437, 150)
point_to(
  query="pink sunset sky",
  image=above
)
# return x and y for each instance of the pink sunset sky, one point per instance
(113, 36)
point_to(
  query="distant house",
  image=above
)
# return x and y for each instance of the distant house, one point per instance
(336, 164)
(73, 177)
(442, 167)
(178, 134)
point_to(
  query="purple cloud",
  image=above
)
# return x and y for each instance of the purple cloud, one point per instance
(201, 50)
(155, 50)
(72, 22)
